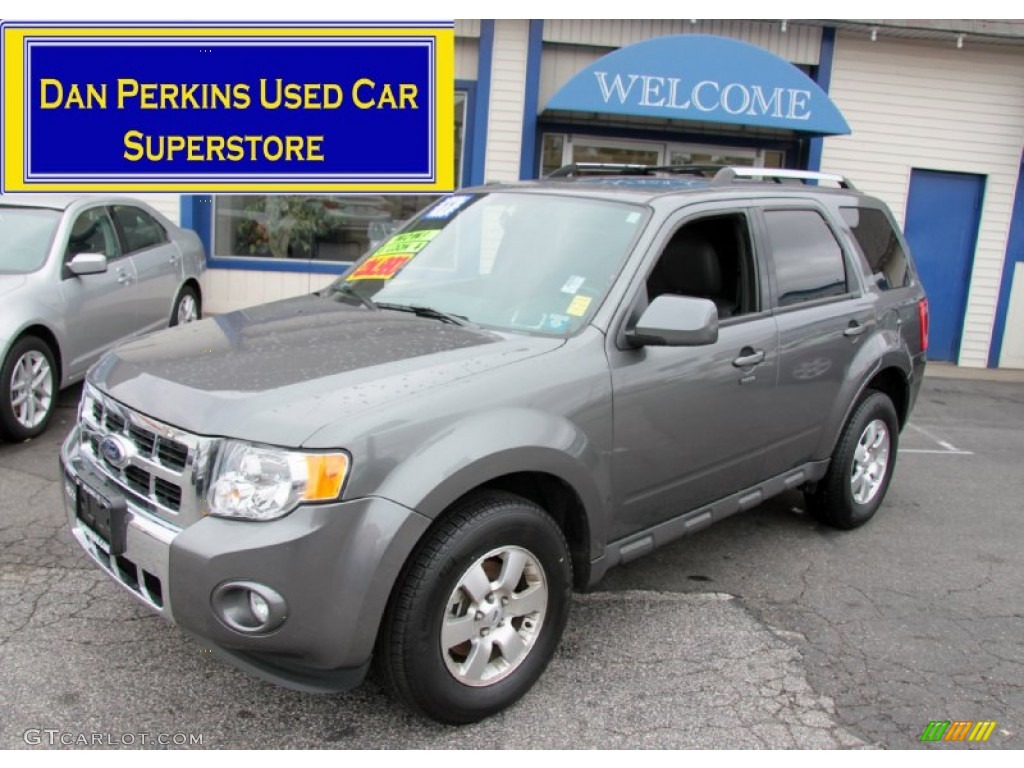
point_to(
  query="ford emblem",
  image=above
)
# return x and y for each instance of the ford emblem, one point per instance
(115, 451)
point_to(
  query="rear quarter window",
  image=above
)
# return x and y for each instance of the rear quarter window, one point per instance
(880, 246)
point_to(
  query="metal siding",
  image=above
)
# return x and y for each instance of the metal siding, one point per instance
(467, 28)
(914, 104)
(505, 116)
(168, 204)
(225, 290)
(798, 44)
(467, 57)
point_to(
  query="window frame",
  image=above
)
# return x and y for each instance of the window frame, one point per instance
(636, 293)
(850, 261)
(104, 209)
(122, 235)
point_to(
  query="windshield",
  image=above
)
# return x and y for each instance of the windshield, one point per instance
(25, 237)
(505, 260)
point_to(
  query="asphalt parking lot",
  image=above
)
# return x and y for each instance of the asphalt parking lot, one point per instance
(765, 631)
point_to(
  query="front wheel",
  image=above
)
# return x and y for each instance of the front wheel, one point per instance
(479, 610)
(28, 389)
(861, 466)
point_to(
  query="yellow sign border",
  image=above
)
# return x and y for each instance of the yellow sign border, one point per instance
(15, 104)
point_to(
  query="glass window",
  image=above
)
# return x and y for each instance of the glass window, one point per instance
(808, 260)
(460, 132)
(880, 246)
(552, 148)
(625, 154)
(314, 227)
(25, 237)
(512, 261)
(93, 232)
(139, 229)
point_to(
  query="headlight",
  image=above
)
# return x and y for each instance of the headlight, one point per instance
(258, 483)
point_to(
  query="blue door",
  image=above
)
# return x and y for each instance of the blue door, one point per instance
(943, 213)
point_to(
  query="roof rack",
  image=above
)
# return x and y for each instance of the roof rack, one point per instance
(729, 174)
(581, 170)
(720, 175)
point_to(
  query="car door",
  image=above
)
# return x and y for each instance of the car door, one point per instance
(99, 309)
(823, 317)
(689, 421)
(157, 264)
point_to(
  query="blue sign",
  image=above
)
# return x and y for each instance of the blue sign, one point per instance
(319, 108)
(702, 77)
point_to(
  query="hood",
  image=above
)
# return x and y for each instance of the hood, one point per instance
(10, 283)
(278, 372)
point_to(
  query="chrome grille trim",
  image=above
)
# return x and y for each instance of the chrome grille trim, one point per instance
(167, 471)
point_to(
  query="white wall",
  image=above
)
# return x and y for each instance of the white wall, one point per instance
(225, 290)
(916, 104)
(1012, 353)
(505, 113)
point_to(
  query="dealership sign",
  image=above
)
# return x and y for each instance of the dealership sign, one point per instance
(705, 78)
(223, 108)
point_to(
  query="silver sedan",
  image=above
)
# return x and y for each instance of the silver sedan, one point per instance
(77, 275)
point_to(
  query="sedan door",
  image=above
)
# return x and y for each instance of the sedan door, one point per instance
(689, 421)
(99, 309)
(156, 261)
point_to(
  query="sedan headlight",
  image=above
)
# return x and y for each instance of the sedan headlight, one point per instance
(255, 482)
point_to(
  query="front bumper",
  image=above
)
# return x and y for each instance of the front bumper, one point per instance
(335, 564)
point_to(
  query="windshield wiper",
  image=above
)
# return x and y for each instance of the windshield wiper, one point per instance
(344, 289)
(421, 311)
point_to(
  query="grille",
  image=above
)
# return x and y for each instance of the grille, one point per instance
(163, 467)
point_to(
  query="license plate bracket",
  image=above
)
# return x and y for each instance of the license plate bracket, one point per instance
(106, 516)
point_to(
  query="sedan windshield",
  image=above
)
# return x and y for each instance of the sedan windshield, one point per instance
(25, 237)
(519, 262)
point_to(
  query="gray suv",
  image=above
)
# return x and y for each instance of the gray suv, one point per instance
(526, 386)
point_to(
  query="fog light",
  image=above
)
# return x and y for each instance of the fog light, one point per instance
(249, 607)
(258, 606)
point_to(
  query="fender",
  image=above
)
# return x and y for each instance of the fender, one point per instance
(881, 350)
(488, 445)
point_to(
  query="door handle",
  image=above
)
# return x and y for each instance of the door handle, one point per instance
(124, 278)
(174, 258)
(748, 356)
(855, 329)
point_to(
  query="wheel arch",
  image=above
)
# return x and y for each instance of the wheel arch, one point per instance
(44, 333)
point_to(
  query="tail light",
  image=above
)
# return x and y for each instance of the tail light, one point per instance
(922, 316)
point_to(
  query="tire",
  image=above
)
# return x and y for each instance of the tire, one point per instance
(28, 389)
(861, 467)
(454, 603)
(187, 307)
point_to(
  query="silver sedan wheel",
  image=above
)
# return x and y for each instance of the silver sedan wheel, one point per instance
(31, 389)
(188, 309)
(870, 462)
(494, 616)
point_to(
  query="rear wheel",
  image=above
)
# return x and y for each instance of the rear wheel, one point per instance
(861, 466)
(479, 610)
(187, 307)
(28, 389)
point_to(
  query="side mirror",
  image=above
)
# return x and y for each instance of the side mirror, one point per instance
(87, 264)
(676, 321)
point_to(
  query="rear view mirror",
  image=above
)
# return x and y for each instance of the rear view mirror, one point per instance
(676, 321)
(87, 264)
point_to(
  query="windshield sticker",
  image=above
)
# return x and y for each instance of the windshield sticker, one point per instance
(578, 306)
(556, 323)
(447, 206)
(573, 284)
(380, 266)
(407, 242)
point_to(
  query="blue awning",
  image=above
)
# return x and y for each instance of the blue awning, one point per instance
(703, 78)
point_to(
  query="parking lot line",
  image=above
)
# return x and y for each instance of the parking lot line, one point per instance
(947, 447)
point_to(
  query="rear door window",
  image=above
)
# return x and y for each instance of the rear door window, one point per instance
(808, 260)
(879, 244)
(140, 230)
